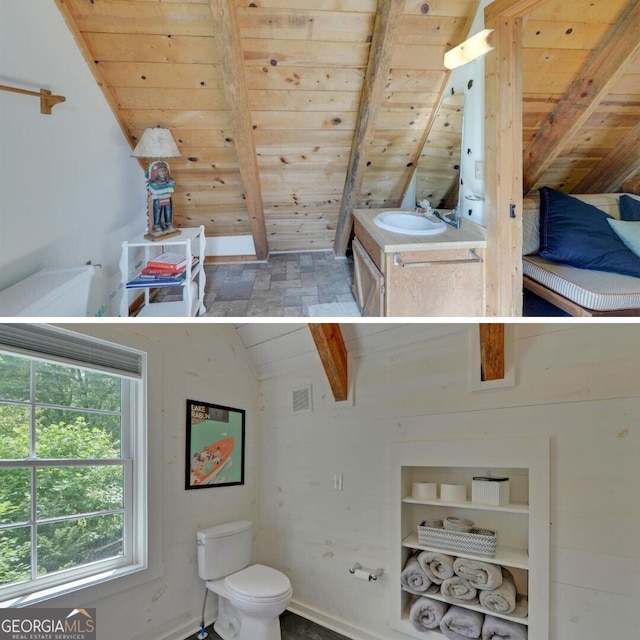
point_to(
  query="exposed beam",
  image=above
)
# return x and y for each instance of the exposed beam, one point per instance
(387, 26)
(235, 86)
(492, 365)
(503, 156)
(503, 166)
(333, 354)
(602, 70)
(622, 162)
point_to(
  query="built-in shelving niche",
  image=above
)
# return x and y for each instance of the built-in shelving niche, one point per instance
(522, 525)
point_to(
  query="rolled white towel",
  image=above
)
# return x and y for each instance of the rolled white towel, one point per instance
(522, 607)
(482, 575)
(503, 598)
(499, 629)
(413, 577)
(457, 590)
(438, 566)
(461, 624)
(426, 613)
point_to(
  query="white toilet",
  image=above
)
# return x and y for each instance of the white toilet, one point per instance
(250, 598)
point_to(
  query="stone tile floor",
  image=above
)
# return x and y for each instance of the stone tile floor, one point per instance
(293, 627)
(286, 285)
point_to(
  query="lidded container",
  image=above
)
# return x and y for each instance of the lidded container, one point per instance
(224, 549)
(492, 491)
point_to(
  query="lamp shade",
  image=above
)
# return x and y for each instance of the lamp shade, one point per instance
(156, 142)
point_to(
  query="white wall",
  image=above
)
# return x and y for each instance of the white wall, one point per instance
(469, 79)
(69, 191)
(186, 361)
(576, 384)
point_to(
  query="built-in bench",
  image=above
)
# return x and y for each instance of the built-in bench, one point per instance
(579, 292)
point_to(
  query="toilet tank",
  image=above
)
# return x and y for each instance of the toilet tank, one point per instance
(224, 549)
(62, 292)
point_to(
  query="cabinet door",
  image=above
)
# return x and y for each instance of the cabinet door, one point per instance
(367, 282)
(435, 283)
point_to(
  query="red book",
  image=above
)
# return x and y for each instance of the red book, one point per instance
(169, 261)
(160, 271)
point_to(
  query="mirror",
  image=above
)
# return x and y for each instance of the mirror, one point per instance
(438, 168)
(450, 168)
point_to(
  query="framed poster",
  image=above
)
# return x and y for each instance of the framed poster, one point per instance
(215, 446)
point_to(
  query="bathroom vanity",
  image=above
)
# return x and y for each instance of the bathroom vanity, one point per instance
(399, 274)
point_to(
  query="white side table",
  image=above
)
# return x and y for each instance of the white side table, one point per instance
(135, 255)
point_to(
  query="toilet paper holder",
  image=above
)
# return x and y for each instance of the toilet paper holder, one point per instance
(365, 574)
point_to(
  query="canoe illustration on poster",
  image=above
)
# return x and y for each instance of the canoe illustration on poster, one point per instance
(215, 445)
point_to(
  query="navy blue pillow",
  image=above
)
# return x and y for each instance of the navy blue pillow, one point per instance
(629, 209)
(578, 234)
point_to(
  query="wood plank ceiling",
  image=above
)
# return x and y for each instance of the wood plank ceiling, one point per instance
(263, 99)
(582, 95)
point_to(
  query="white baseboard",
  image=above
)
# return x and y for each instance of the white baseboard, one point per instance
(339, 626)
(177, 633)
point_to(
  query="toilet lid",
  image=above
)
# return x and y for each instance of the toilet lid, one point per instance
(258, 581)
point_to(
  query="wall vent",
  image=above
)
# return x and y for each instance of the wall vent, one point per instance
(302, 399)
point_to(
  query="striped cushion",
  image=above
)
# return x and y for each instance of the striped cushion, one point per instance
(595, 290)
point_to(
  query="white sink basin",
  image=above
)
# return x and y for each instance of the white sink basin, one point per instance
(408, 222)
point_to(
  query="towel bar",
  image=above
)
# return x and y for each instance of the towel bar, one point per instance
(473, 257)
(47, 100)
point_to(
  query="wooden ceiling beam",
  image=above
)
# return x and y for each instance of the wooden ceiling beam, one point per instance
(618, 165)
(492, 359)
(601, 71)
(387, 25)
(503, 169)
(333, 354)
(228, 39)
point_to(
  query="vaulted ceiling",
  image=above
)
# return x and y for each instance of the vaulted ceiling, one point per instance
(287, 111)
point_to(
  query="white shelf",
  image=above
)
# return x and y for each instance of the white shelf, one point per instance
(163, 310)
(191, 241)
(514, 507)
(508, 556)
(473, 607)
(522, 526)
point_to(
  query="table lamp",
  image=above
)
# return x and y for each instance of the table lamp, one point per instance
(156, 143)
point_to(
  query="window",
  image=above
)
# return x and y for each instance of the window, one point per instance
(72, 460)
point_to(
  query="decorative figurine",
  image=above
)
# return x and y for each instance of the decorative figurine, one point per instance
(160, 186)
(157, 142)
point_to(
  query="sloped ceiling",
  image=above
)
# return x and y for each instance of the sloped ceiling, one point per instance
(581, 95)
(263, 98)
(277, 349)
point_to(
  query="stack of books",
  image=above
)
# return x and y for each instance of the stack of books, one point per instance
(165, 270)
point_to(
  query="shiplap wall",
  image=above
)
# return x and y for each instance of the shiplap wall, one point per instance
(577, 384)
(185, 361)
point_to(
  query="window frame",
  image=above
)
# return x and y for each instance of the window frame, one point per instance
(132, 459)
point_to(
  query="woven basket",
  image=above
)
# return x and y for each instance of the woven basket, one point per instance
(476, 542)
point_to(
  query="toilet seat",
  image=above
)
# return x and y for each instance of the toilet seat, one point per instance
(258, 582)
